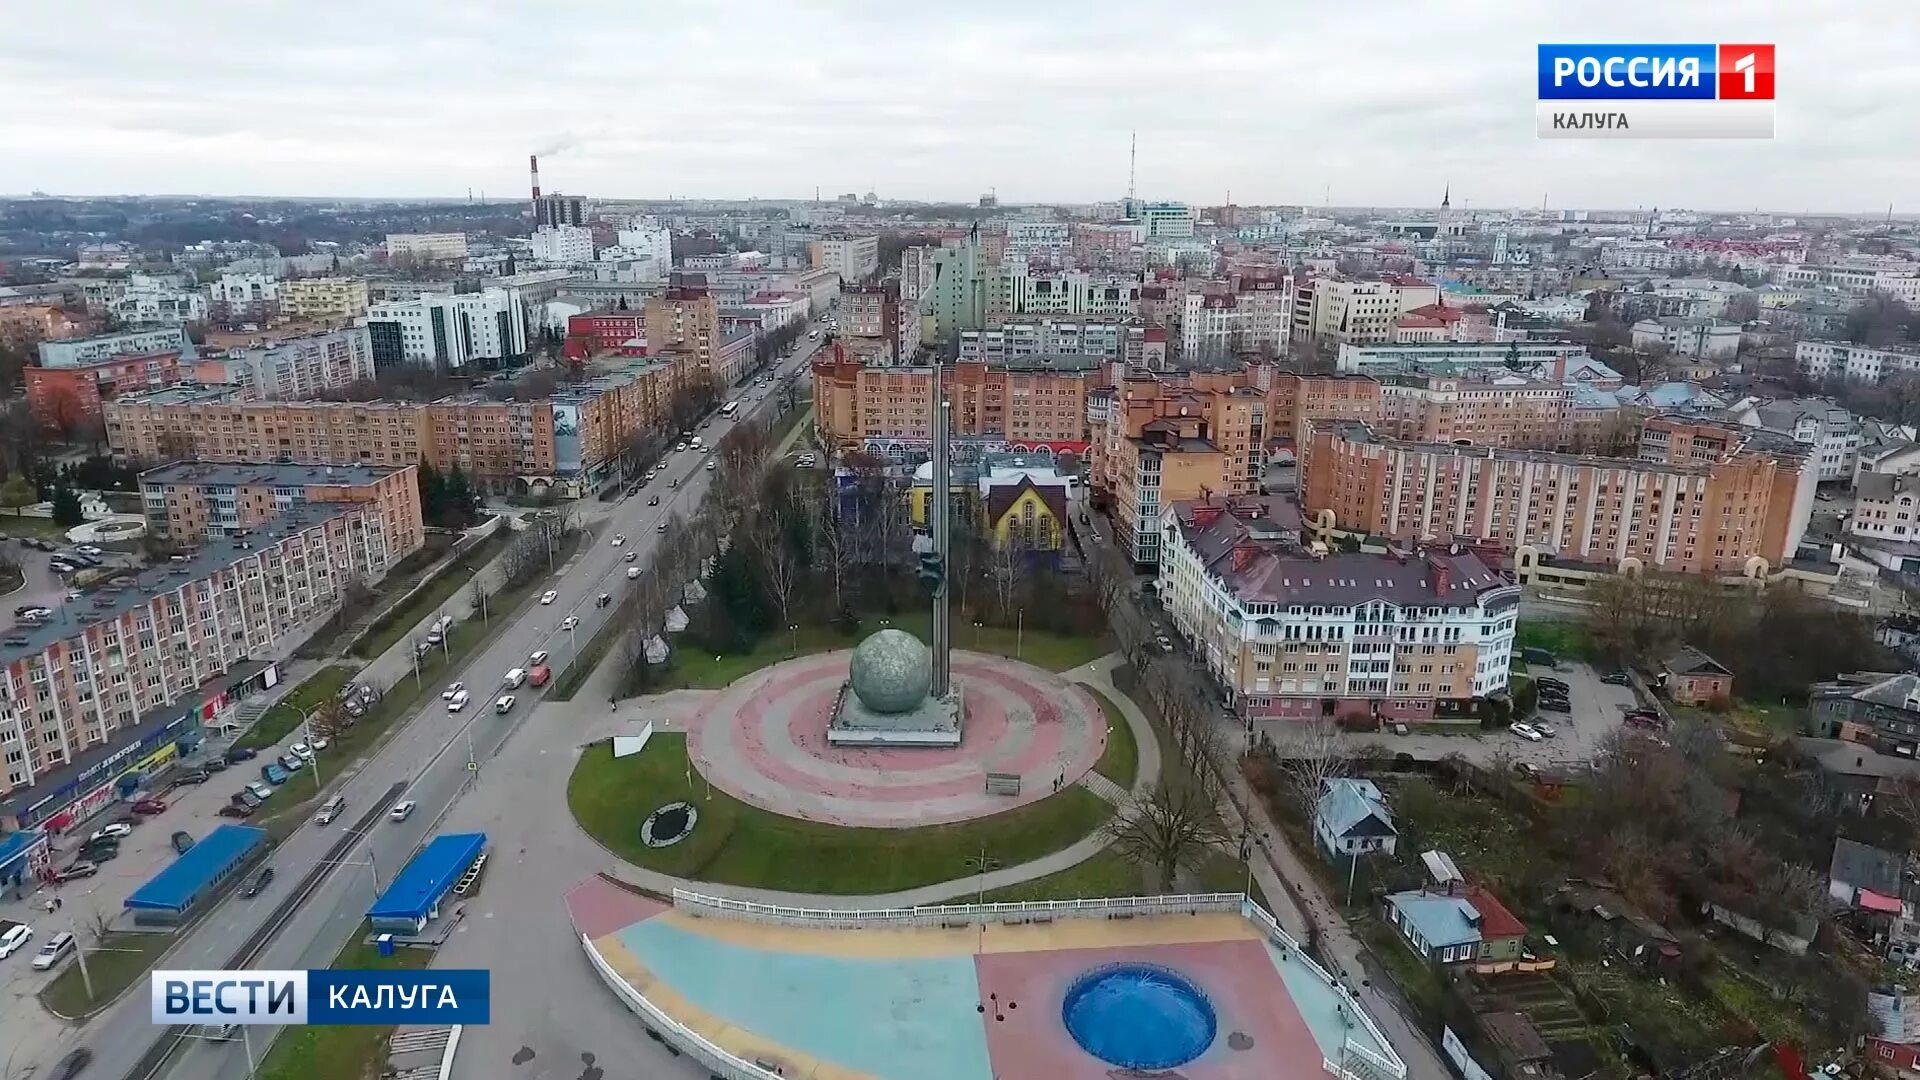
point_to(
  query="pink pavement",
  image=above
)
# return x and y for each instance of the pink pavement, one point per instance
(764, 741)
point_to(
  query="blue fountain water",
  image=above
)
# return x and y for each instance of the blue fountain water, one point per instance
(1138, 1016)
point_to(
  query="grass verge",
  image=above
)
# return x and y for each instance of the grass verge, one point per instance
(1120, 761)
(37, 527)
(578, 672)
(1106, 874)
(437, 590)
(340, 1052)
(737, 844)
(117, 962)
(278, 722)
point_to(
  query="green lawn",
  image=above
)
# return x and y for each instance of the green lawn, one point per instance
(1120, 762)
(276, 723)
(1565, 640)
(394, 625)
(1106, 874)
(1055, 652)
(346, 1052)
(40, 528)
(738, 844)
(116, 963)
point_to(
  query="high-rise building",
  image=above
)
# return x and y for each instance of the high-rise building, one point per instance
(1483, 408)
(1361, 312)
(1166, 220)
(565, 244)
(854, 258)
(684, 321)
(1034, 403)
(448, 332)
(559, 211)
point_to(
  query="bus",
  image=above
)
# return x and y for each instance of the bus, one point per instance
(729, 409)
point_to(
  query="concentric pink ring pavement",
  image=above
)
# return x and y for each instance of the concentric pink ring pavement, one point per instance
(763, 740)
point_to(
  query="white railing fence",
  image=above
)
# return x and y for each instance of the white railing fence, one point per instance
(1372, 1066)
(720, 1062)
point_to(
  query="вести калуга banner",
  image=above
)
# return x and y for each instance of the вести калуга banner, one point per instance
(321, 997)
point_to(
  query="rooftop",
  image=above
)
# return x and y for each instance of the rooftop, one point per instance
(275, 474)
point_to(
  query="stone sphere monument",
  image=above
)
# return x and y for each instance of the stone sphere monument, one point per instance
(891, 672)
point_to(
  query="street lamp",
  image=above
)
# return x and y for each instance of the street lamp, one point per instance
(981, 863)
(795, 628)
(485, 619)
(1019, 630)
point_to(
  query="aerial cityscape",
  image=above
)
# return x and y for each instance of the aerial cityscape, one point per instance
(976, 545)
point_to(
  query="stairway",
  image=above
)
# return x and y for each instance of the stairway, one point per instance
(419, 1041)
(1106, 789)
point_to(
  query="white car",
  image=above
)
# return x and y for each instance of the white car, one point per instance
(90, 549)
(401, 811)
(538, 658)
(319, 743)
(632, 572)
(630, 556)
(710, 465)
(116, 831)
(447, 694)
(458, 701)
(1546, 730)
(260, 791)
(503, 704)
(16, 936)
(302, 751)
(678, 447)
(569, 623)
(1526, 732)
(619, 538)
(549, 596)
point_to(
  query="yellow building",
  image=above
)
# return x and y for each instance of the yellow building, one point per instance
(323, 298)
(1026, 516)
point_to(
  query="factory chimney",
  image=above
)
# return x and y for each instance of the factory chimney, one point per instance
(533, 166)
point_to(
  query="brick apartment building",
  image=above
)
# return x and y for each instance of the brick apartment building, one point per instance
(1034, 403)
(606, 333)
(66, 390)
(1751, 501)
(684, 321)
(1403, 636)
(105, 678)
(190, 500)
(1487, 410)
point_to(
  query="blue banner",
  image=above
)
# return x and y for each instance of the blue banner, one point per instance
(1628, 72)
(398, 997)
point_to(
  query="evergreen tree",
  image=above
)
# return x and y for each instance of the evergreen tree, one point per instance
(66, 506)
(433, 494)
(459, 501)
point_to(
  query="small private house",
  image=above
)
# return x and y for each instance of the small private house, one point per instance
(1691, 677)
(1456, 925)
(1352, 819)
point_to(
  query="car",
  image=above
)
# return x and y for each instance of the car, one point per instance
(293, 763)
(401, 811)
(631, 556)
(71, 1065)
(654, 501)
(99, 853)
(78, 869)
(274, 774)
(302, 751)
(678, 447)
(503, 704)
(710, 465)
(1545, 729)
(1549, 693)
(538, 677)
(452, 689)
(13, 938)
(214, 765)
(1547, 681)
(89, 549)
(1617, 678)
(549, 596)
(619, 538)
(569, 622)
(632, 572)
(259, 790)
(605, 598)
(662, 527)
(190, 776)
(434, 637)
(1556, 704)
(674, 483)
(54, 951)
(238, 754)
(237, 810)
(182, 841)
(259, 881)
(319, 743)
(114, 831)
(458, 701)
(1526, 732)
(149, 806)
(537, 657)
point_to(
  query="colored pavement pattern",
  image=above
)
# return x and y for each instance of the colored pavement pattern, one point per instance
(764, 741)
(967, 1003)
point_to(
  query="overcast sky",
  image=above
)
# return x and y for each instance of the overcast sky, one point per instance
(1278, 101)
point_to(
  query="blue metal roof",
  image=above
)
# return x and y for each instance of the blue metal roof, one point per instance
(176, 887)
(426, 879)
(15, 845)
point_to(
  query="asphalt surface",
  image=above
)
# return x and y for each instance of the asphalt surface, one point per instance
(429, 756)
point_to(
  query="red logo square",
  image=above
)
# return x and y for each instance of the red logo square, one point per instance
(1746, 73)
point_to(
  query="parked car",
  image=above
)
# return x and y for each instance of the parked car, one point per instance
(259, 790)
(78, 869)
(1544, 682)
(291, 763)
(237, 810)
(89, 549)
(260, 880)
(302, 751)
(1526, 732)
(1544, 728)
(149, 807)
(103, 852)
(318, 743)
(54, 951)
(214, 765)
(1617, 678)
(1556, 704)
(401, 811)
(114, 831)
(182, 841)
(13, 938)
(237, 754)
(274, 774)
(190, 776)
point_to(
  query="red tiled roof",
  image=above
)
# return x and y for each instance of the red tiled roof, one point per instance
(1495, 920)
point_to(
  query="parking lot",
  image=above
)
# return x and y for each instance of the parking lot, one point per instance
(1596, 710)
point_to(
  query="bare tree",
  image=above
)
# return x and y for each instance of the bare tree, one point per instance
(329, 718)
(1310, 756)
(781, 564)
(835, 549)
(1177, 826)
(1006, 569)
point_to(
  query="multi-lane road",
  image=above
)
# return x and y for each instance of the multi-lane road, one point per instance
(428, 759)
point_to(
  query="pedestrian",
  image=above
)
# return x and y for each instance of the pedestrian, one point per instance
(49, 907)
(58, 903)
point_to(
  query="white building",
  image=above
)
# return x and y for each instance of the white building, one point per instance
(1897, 278)
(1866, 363)
(1023, 290)
(563, 244)
(645, 240)
(245, 290)
(1832, 432)
(1639, 255)
(300, 367)
(449, 332)
(427, 247)
(619, 266)
(1210, 325)
(1167, 220)
(157, 300)
(1338, 309)
(1555, 360)
(1044, 337)
(1044, 240)
(854, 258)
(1886, 506)
(1702, 339)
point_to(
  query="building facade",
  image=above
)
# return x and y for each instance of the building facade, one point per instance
(564, 244)
(324, 298)
(1863, 363)
(1484, 409)
(1032, 404)
(1361, 312)
(295, 367)
(449, 332)
(854, 258)
(189, 501)
(427, 247)
(684, 321)
(1702, 339)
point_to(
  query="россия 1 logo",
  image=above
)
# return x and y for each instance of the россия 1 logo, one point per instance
(1656, 92)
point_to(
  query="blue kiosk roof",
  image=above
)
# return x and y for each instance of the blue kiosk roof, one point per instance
(428, 877)
(14, 845)
(176, 887)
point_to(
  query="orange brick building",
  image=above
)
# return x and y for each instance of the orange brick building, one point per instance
(188, 501)
(1501, 410)
(1032, 403)
(65, 399)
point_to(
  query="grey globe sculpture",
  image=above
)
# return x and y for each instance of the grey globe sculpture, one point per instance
(892, 672)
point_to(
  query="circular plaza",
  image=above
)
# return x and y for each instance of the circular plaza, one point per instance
(764, 741)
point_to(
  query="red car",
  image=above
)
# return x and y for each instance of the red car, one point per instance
(539, 675)
(149, 806)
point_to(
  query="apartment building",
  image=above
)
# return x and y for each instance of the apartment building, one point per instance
(449, 332)
(190, 501)
(1886, 507)
(1482, 408)
(293, 367)
(1716, 516)
(244, 297)
(1407, 636)
(74, 378)
(853, 258)
(1897, 278)
(324, 298)
(1032, 403)
(1294, 399)
(1361, 312)
(148, 299)
(427, 247)
(684, 321)
(1022, 289)
(25, 323)
(567, 245)
(1699, 338)
(1048, 337)
(1865, 363)
(873, 328)
(1050, 241)
(1166, 220)
(1831, 433)
(1556, 361)
(91, 685)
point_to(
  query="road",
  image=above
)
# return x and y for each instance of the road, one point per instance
(429, 754)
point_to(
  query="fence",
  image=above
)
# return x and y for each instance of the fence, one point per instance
(1362, 1064)
(717, 1061)
(721, 907)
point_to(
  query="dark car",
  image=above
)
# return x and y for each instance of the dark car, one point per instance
(1556, 705)
(1616, 678)
(77, 870)
(101, 850)
(236, 754)
(1556, 684)
(654, 501)
(70, 1066)
(236, 810)
(182, 841)
(257, 882)
(150, 806)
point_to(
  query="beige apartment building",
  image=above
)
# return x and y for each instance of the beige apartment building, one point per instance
(1407, 636)
(1487, 410)
(329, 299)
(683, 323)
(1356, 312)
(102, 675)
(1034, 403)
(188, 501)
(1694, 516)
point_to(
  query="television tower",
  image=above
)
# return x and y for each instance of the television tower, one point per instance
(1133, 157)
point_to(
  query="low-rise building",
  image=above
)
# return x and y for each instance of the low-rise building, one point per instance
(427, 247)
(189, 501)
(66, 390)
(1299, 635)
(1352, 819)
(1864, 363)
(1831, 433)
(1691, 677)
(606, 333)
(1462, 924)
(148, 300)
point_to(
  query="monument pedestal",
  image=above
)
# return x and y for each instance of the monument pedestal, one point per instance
(933, 722)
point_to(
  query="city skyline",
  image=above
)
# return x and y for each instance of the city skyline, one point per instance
(1271, 106)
